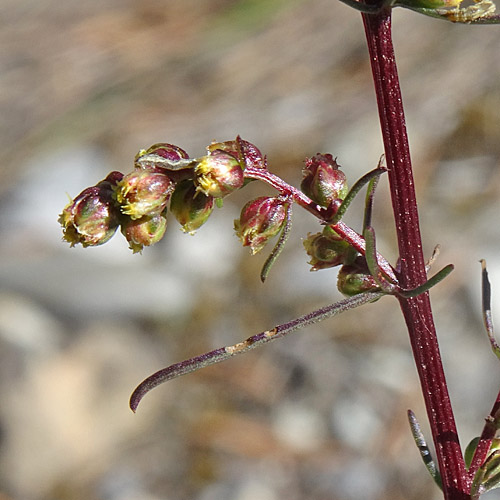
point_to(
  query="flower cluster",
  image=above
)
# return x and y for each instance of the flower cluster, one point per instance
(327, 249)
(163, 175)
(166, 179)
(326, 184)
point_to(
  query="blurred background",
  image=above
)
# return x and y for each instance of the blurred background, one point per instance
(318, 416)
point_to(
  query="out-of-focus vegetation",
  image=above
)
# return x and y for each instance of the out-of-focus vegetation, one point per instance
(84, 86)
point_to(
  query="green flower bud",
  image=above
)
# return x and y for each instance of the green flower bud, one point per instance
(428, 4)
(218, 174)
(143, 192)
(456, 11)
(260, 220)
(145, 231)
(323, 182)
(190, 207)
(355, 278)
(92, 218)
(327, 249)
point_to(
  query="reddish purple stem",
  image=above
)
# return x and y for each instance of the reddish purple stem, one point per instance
(489, 432)
(417, 311)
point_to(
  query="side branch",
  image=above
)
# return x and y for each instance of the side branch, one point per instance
(223, 353)
(323, 214)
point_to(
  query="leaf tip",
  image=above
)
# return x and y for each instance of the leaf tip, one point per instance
(136, 397)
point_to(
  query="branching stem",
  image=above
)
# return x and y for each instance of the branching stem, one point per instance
(323, 214)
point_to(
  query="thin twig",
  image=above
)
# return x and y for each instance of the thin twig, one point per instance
(223, 353)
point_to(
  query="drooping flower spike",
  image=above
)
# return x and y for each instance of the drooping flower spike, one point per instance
(164, 175)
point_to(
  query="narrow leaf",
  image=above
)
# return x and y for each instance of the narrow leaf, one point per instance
(482, 12)
(439, 276)
(223, 353)
(356, 188)
(370, 195)
(280, 244)
(371, 260)
(423, 449)
(487, 319)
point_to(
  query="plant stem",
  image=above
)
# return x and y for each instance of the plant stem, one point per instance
(417, 311)
(489, 432)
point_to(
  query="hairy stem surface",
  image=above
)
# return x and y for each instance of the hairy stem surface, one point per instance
(417, 310)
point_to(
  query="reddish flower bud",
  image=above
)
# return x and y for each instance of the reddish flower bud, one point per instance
(112, 178)
(166, 159)
(218, 174)
(327, 249)
(145, 231)
(323, 182)
(190, 207)
(143, 192)
(252, 156)
(355, 278)
(260, 220)
(92, 218)
(245, 152)
(145, 157)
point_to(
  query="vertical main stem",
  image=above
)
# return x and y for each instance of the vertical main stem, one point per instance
(417, 311)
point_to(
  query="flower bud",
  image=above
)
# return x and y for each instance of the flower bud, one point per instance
(247, 153)
(355, 278)
(92, 217)
(145, 231)
(112, 179)
(260, 220)
(143, 192)
(323, 182)
(327, 249)
(145, 157)
(252, 157)
(190, 207)
(218, 174)
(428, 4)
